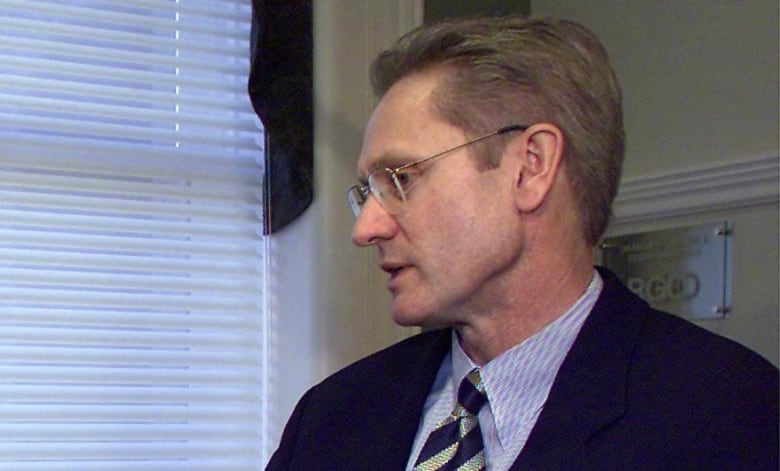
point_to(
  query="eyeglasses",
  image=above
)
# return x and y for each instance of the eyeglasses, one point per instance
(390, 185)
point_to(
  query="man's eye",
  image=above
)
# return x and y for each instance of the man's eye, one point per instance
(405, 179)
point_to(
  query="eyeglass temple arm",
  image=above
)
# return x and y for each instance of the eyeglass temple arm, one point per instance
(513, 127)
(505, 129)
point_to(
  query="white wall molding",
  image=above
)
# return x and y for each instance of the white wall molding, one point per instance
(410, 15)
(747, 183)
(324, 293)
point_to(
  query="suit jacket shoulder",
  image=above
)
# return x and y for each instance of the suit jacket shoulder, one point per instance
(366, 415)
(642, 389)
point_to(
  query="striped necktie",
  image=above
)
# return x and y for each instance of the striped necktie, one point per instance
(456, 442)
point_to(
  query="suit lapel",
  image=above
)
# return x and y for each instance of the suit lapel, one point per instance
(401, 398)
(590, 388)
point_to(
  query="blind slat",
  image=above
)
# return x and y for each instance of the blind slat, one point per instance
(158, 116)
(125, 225)
(127, 450)
(91, 74)
(139, 264)
(236, 9)
(146, 378)
(193, 191)
(131, 132)
(215, 99)
(139, 282)
(53, 296)
(205, 356)
(233, 463)
(149, 15)
(121, 39)
(75, 155)
(73, 242)
(168, 59)
(107, 318)
(130, 206)
(134, 432)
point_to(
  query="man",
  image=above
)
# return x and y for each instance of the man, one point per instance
(488, 169)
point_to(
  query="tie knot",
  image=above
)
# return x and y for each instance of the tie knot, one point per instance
(471, 394)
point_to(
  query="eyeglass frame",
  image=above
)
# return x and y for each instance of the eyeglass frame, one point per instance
(357, 195)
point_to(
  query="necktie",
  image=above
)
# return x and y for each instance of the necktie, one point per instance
(456, 442)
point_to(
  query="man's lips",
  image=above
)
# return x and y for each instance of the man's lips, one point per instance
(394, 270)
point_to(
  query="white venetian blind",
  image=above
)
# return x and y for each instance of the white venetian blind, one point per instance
(131, 265)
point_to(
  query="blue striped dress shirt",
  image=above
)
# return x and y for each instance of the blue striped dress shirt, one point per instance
(517, 384)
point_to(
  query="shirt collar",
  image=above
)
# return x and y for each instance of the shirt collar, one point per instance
(518, 381)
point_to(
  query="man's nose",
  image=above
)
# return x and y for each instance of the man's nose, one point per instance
(373, 224)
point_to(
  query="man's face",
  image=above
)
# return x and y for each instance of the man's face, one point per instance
(448, 252)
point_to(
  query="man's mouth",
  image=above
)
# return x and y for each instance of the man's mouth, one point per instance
(391, 269)
(394, 270)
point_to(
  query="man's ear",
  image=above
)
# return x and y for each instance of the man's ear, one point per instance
(540, 161)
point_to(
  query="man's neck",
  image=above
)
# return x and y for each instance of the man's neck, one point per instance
(539, 300)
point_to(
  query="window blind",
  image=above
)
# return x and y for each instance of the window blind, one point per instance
(131, 265)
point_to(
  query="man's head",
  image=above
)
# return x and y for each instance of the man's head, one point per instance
(488, 168)
(503, 71)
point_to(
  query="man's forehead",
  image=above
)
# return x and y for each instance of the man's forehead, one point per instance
(400, 123)
(387, 142)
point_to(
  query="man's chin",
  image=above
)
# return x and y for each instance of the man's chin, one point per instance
(407, 317)
(405, 320)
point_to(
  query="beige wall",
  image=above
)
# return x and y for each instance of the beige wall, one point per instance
(700, 77)
(700, 83)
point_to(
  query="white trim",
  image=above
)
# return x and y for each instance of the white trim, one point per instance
(411, 14)
(327, 298)
(747, 183)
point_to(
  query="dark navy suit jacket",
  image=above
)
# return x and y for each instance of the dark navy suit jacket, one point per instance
(639, 390)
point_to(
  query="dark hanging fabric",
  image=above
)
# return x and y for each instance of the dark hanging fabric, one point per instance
(280, 88)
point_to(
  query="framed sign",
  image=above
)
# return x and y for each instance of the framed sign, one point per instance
(685, 271)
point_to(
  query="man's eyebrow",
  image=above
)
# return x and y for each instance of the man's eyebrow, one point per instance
(389, 160)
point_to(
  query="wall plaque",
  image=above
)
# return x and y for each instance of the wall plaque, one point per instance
(685, 271)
